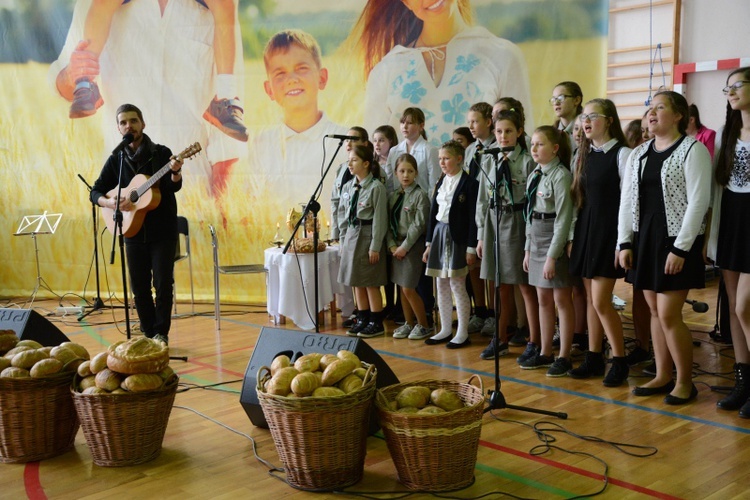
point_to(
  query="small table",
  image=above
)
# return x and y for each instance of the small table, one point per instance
(291, 284)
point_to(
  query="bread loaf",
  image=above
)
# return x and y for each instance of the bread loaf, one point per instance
(141, 355)
(305, 245)
(142, 382)
(46, 367)
(8, 340)
(26, 359)
(13, 372)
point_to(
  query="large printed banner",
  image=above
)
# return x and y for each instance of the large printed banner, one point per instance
(259, 83)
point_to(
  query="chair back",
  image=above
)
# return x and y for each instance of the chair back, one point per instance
(183, 229)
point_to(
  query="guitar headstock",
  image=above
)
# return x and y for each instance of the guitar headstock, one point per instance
(189, 151)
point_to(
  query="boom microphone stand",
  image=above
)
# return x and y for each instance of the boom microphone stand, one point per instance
(314, 207)
(496, 398)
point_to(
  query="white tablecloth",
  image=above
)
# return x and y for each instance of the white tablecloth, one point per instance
(291, 283)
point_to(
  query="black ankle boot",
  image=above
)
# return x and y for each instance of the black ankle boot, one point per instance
(740, 393)
(618, 373)
(592, 366)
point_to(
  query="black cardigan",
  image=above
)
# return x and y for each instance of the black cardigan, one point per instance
(461, 222)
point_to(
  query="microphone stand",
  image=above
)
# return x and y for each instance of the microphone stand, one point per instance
(314, 207)
(118, 231)
(496, 398)
(98, 303)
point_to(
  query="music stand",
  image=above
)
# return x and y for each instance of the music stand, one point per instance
(31, 225)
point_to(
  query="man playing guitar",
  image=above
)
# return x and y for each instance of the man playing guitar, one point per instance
(150, 251)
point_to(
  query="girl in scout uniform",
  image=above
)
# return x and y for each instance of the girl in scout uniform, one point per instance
(362, 237)
(409, 210)
(549, 213)
(509, 175)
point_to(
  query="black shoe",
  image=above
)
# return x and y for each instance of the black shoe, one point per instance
(592, 366)
(358, 327)
(489, 351)
(537, 361)
(674, 400)
(373, 329)
(531, 350)
(458, 345)
(650, 370)
(349, 322)
(741, 390)
(617, 374)
(519, 338)
(431, 341)
(638, 356)
(651, 391)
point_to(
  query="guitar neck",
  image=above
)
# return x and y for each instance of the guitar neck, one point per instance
(153, 179)
(188, 152)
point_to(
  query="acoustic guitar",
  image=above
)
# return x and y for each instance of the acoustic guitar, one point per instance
(143, 192)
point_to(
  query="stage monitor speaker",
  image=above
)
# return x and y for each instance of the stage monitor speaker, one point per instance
(275, 341)
(29, 324)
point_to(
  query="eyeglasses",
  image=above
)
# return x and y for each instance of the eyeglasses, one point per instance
(734, 87)
(559, 99)
(591, 117)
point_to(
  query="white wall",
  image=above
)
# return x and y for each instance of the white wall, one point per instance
(711, 30)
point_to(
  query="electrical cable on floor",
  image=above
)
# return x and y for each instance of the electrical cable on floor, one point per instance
(187, 386)
(543, 430)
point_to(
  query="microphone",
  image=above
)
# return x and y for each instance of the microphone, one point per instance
(699, 307)
(494, 151)
(342, 137)
(126, 139)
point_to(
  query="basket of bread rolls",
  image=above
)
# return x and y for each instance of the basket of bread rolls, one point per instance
(123, 398)
(318, 411)
(37, 416)
(435, 424)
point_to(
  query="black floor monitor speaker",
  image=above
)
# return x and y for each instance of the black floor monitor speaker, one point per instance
(275, 341)
(28, 324)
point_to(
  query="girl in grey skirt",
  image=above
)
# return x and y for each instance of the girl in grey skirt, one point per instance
(509, 175)
(363, 264)
(409, 208)
(451, 242)
(549, 213)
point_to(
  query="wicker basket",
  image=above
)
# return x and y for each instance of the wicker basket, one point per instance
(434, 452)
(125, 429)
(37, 418)
(320, 440)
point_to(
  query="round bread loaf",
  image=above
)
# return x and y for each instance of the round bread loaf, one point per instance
(306, 245)
(141, 355)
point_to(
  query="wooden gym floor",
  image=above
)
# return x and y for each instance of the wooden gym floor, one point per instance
(646, 448)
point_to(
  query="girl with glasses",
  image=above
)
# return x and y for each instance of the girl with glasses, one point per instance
(599, 170)
(729, 241)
